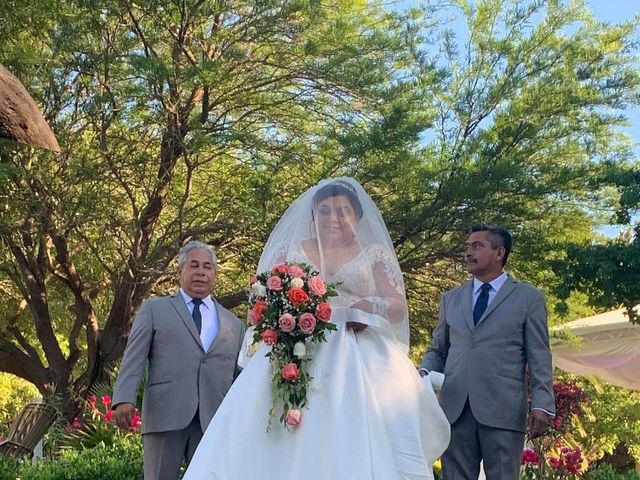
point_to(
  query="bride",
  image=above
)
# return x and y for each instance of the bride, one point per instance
(369, 414)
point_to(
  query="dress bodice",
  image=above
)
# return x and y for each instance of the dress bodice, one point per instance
(355, 279)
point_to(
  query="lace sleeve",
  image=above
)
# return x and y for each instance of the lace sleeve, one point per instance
(393, 275)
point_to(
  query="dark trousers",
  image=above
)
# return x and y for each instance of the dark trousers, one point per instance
(165, 451)
(472, 442)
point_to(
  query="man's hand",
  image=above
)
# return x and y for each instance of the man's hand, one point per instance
(539, 420)
(124, 415)
(356, 326)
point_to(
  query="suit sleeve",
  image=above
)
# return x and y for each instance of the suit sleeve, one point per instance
(436, 356)
(538, 353)
(135, 357)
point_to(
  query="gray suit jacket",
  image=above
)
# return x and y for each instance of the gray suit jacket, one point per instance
(486, 363)
(182, 377)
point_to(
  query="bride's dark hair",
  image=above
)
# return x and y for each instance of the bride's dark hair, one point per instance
(335, 189)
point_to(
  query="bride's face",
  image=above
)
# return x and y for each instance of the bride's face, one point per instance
(335, 219)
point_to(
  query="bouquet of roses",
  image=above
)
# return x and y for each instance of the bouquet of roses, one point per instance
(290, 313)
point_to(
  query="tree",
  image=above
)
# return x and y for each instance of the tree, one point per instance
(177, 120)
(607, 270)
(205, 119)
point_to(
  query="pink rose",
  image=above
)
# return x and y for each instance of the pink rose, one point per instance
(287, 322)
(252, 318)
(282, 268)
(297, 296)
(296, 272)
(270, 336)
(274, 283)
(106, 400)
(108, 415)
(323, 312)
(316, 285)
(290, 372)
(307, 323)
(294, 417)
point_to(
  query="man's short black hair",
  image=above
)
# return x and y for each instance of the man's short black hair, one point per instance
(498, 236)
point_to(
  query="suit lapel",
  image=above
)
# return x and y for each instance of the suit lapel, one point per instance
(223, 326)
(507, 287)
(467, 300)
(183, 312)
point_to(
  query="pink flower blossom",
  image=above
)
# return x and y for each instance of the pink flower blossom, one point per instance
(106, 400)
(307, 323)
(274, 283)
(287, 322)
(108, 415)
(294, 417)
(296, 272)
(135, 421)
(252, 318)
(316, 285)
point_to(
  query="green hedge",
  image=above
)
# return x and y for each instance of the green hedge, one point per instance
(606, 472)
(121, 461)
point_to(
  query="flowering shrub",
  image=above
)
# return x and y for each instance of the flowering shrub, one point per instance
(95, 425)
(555, 455)
(290, 313)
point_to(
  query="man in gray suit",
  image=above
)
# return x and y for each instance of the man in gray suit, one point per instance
(190, 344)
(491, 330)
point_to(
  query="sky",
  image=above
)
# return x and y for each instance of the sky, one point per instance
(613, 11)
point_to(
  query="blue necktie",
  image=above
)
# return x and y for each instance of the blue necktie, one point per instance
(197, 316)
(481, 302)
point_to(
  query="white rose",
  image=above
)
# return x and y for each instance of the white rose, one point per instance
(297, 283)
(259, 289)
(299, 350)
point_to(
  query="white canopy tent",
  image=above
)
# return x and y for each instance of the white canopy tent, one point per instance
(610, 349)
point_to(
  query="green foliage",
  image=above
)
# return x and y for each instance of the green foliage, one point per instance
(121, 461)
(606, 272)
(8, 469)
(14, 394)
(206, 122)
(606, 472)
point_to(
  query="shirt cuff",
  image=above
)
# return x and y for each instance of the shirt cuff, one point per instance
(423, 370)
(551, 414)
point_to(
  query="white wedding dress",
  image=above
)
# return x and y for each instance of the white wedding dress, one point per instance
(369, 417)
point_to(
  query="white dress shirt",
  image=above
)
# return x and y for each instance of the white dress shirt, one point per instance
(210, 321)
(496, 285)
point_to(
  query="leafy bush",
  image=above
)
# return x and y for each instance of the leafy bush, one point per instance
(120, 461)
(8, 469)
(607, 472)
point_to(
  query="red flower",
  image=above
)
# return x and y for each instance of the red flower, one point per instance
(290, 372)
(323, 312)
(529, 456)
(135, 421)
(270, 336)
(108, 415)
(297, 296)
(282, 268)
(106, 400)
(259, 308)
